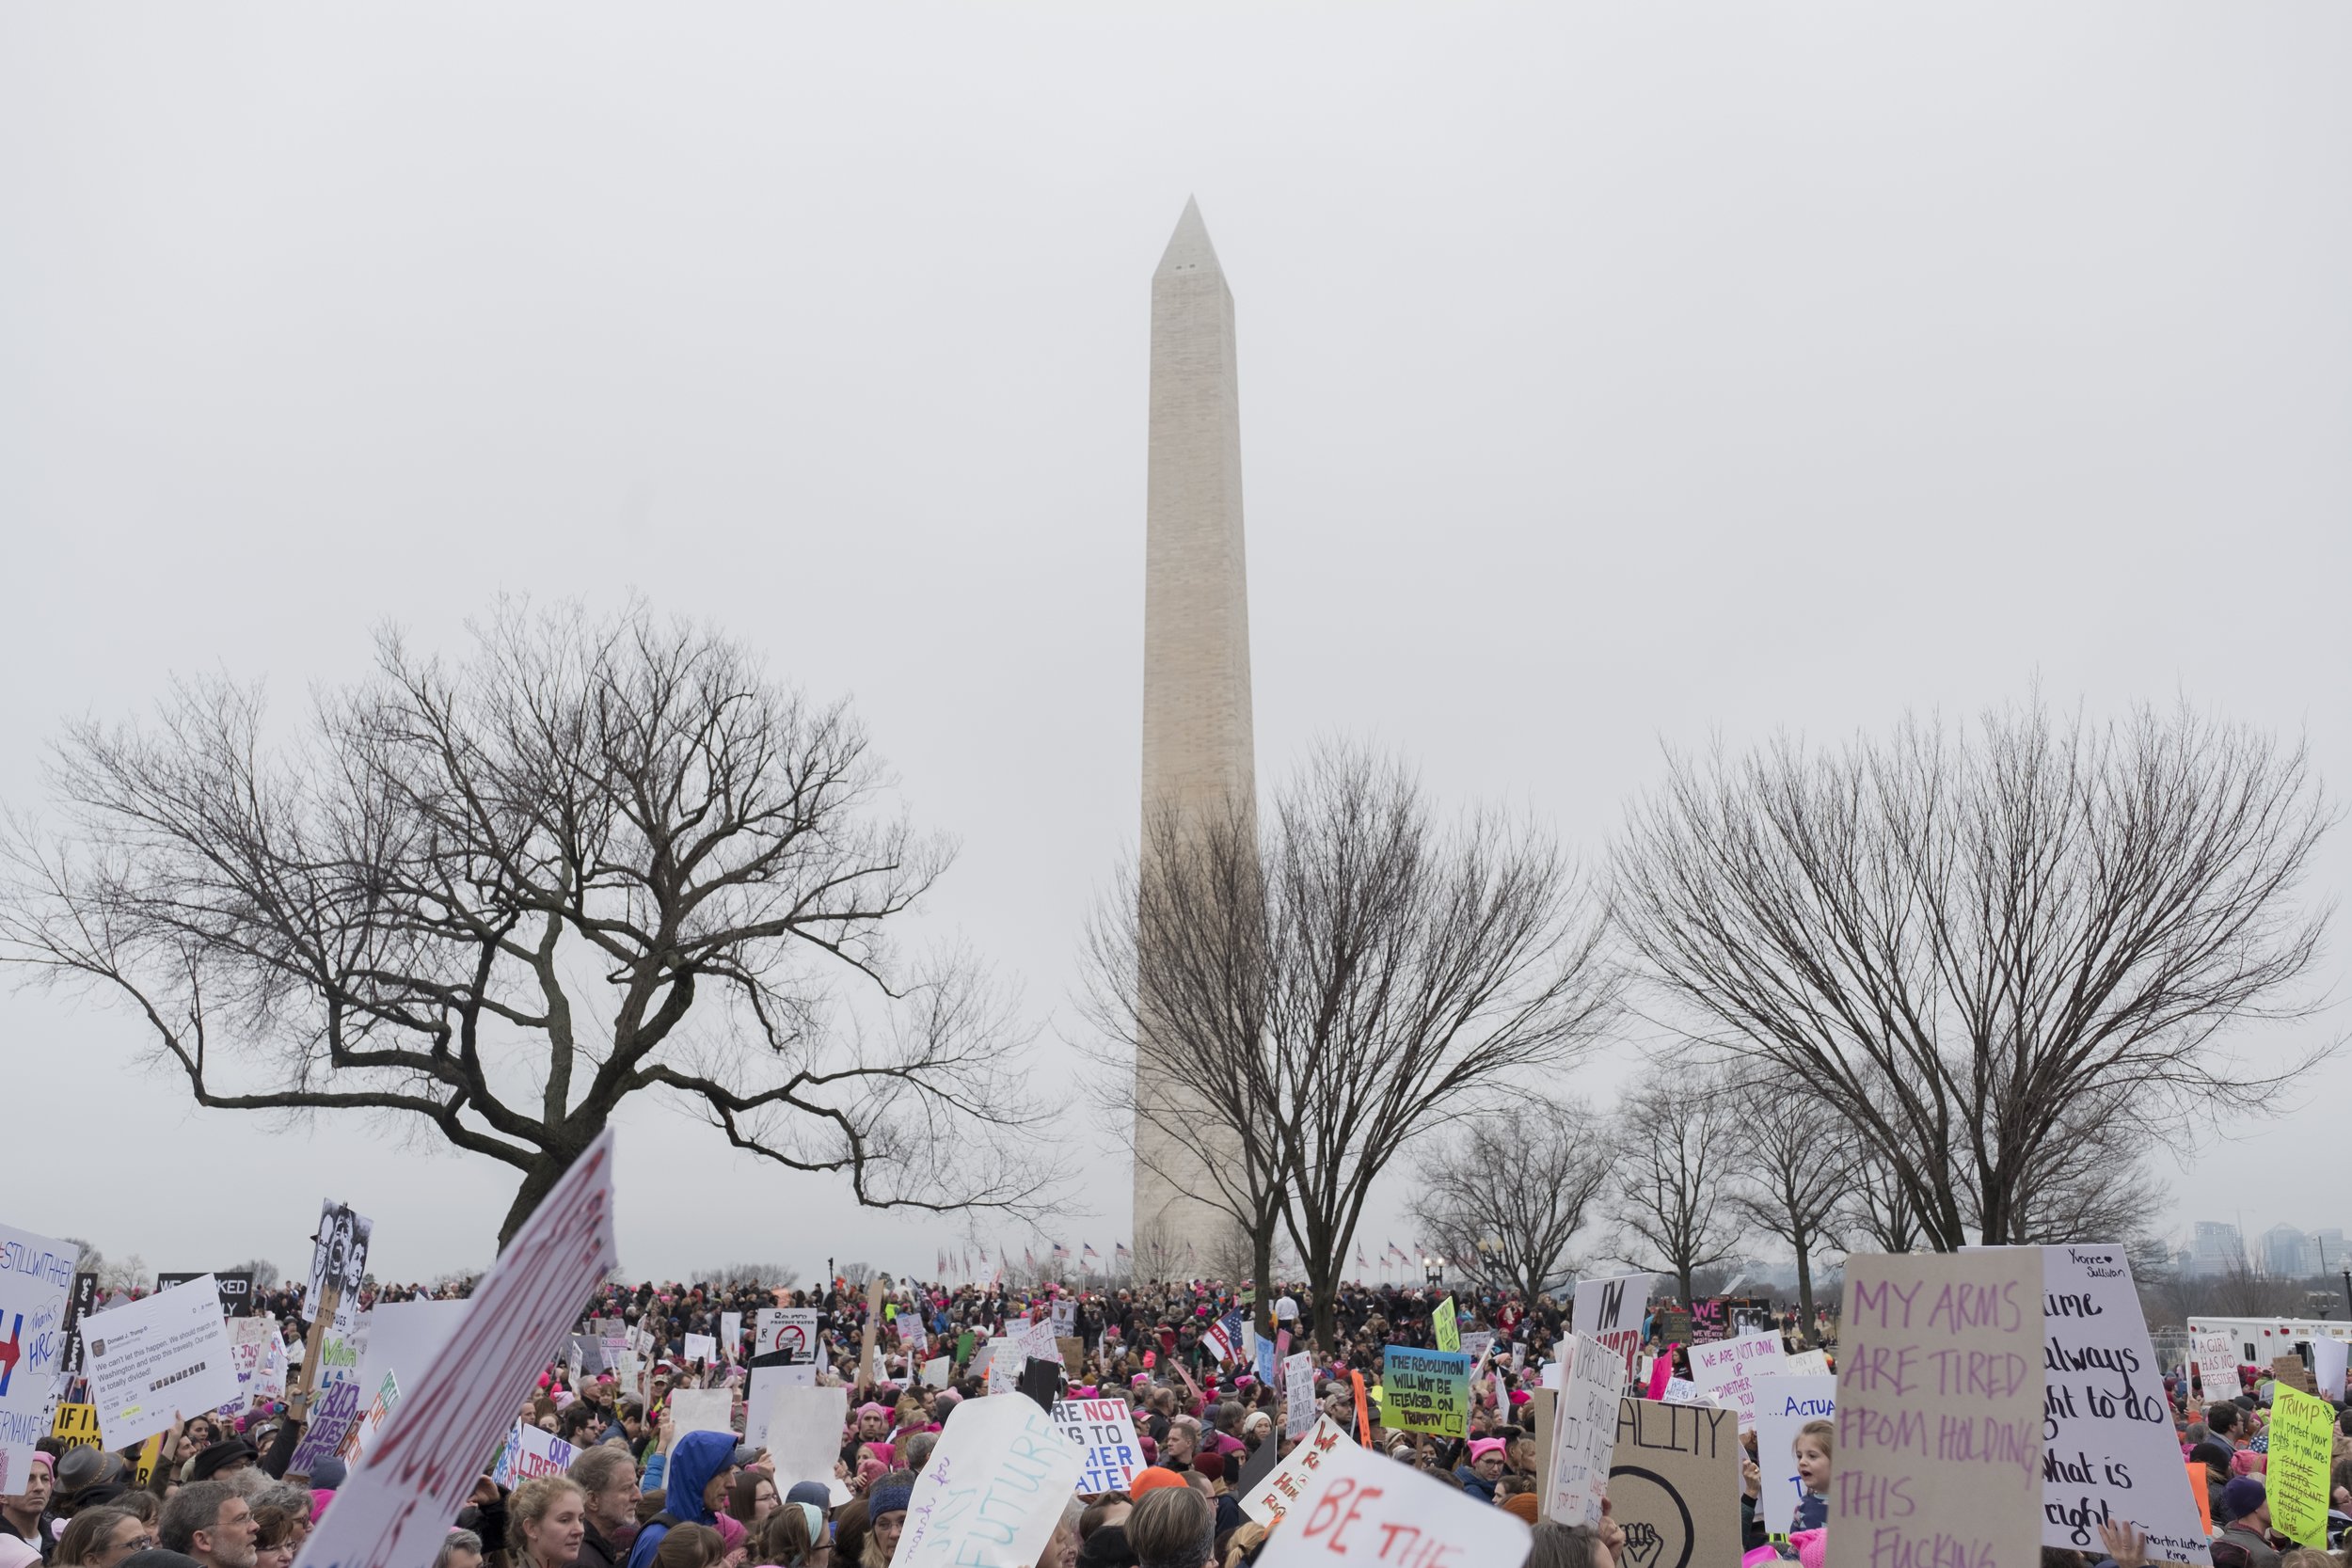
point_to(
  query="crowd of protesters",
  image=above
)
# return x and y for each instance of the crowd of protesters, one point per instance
(217, 1492)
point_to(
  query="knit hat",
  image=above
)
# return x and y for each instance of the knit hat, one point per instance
(1481, 1447)
(892, 1499)
(2242, 1497)
(810, 1492)
(1812, 1547)
(329, 1473)
(1520, 1505)
(1151, 1479)
(1211, 1464)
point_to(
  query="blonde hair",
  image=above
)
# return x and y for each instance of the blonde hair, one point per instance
(531, 1501)
(1821, 1433)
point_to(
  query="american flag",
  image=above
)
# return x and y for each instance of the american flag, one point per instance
(1088, 1254)
(1224, 1337)
(1028, 1258)
(1061, 1253)
(1401, 1256)
(1119, 1250)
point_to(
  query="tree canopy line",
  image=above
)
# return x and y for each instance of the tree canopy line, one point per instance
(1951, 984)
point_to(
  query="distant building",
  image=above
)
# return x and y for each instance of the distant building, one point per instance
(2287, 1253)
(2214, 1248)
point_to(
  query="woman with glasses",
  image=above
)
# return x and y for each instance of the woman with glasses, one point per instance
(101, 1537)
(277, 1535)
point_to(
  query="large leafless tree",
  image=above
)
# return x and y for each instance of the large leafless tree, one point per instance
(1314, 987)
(1959, 939)
(1794, 1156)
(495, 899)
(1505, 1192)
(1673, 1177)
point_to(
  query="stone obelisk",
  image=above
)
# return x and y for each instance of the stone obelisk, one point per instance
(1197, 750)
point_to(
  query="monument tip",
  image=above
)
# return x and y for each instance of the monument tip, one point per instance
(1189, 249)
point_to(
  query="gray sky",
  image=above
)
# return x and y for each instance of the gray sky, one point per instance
(1611, 376)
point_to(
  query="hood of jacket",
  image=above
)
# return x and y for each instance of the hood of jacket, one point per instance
(697, 1457)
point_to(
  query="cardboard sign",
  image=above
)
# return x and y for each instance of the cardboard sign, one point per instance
(2302, 1429)
(1581, 1435)
(36, 1281)
(2290, 1371)
(702, 1410)
(339, 1251)
(789, 1330)
(993, 1490)
(1298, 1395)
(1611, 1310)
(1729, 1369)
(1784, 1404)
(1072, 1353)
(1361, 1508)
(396, 1512)
(1939, 1407)
(802, 1431)
(1425, 1390)
(154, 1359)
(1673, 1485)
(2106, 1420)
(1268, 1498)
(1105, 1429)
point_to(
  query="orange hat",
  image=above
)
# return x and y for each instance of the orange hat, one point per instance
(1522, 1504)
(1151, 1479)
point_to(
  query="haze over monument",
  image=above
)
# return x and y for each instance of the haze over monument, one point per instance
(1197, 747)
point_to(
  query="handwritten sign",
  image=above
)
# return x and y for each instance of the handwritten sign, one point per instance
(1446, 1324)
(2109, 1448)
(1298, 1395)
(1728, 1369)
(993, 1490)
(152, 1359)
(1611, 1310)
(379, 1413)
(36, 1277)
(1105, 1429)
(332, 1415)
(397, 1510)
(1939, 1410)
(2217, 1366)
(1583, 1432)
(1425, 1390)
(1280, 1487)
(1673, 1483)
(1784, 1404)
(1361, 1508)
(2302, 1427)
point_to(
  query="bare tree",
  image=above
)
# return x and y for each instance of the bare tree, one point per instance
(1959, 939)
(1793, 1156)
(2090, 1183)
(498, 899)
(750, 1276)
(1325, 987)
(264, 1272)
(1506, 1192)
(1673, 1173)
(1878, 1208)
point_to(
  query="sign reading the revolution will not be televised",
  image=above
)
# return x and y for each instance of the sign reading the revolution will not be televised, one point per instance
(1424, 1390)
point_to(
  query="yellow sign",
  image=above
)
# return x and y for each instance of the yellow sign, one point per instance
(76, 1426)
(149, 1452)
(1445, 1323)
(2302, 1431)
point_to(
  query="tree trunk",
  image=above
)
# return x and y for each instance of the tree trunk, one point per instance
(1805, 1288)
(1682, 1277)
(539, 1180)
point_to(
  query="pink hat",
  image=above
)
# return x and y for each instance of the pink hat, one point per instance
(731, 1530)
(1481, 1447)
(1812, 1547)
(873, 1408)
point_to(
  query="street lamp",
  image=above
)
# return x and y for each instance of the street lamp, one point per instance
(1433, 1270)
(2347, 1291)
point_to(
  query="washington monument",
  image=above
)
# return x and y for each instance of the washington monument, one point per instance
(1196, 749)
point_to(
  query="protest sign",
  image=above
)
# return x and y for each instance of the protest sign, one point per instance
(1446, 1324)
(1581, 1433)
(405, 1336)
(1425, 1390)
(935, 1373)
(81, 1300)
(702, 1410)
(530, 1454)
(1478, 1344)
(1005, 1361)
(154, 1359)
(2217, 1366)
(2302, 1430)
(1611, 1310)
(1673, 1483)
(36, 1281)
(1361, 1508)
(802, 1431)
(993, 1490)
(1036, 1341)
(395, 1513)
(1807, 1363)
(703, 1349)
(366, 1429)
(1784, 1402)
(1272, 1495)
(2290, 1371)
(236, 1290)
(1065, 1317)
(791, 1330)
(2328, 1366)
(731, 1334)
(764, 1377)
(1106, 1429)
(1072, 1354)
(2105, 1419)
(333, 1414)
(76, 1426)
(1728, 1369)
(1939, 1408)
(1298, 1395)
(339, 1252)
(249, 1339)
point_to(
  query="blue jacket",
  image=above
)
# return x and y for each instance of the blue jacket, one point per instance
(697, 1457)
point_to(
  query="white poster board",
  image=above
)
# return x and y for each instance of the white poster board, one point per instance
(993, 1490)
(802, 1431)
(36, 1277)
(1611, 1310)
(1105, 1429)
(1784, 1403)
(1727, 1368)
(150, 1360)
(2327, 1367)
(404, 1337)
(1363, 1508)
(702, 1349)
(1298, 1395)
(760, 1387)
(792, 1329)
(703, 1410)
(2217, 1366)
(1583, 1430)
(1283, 1485)
(731, 1334)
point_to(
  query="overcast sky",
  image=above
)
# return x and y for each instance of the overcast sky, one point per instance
(1611, 378)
